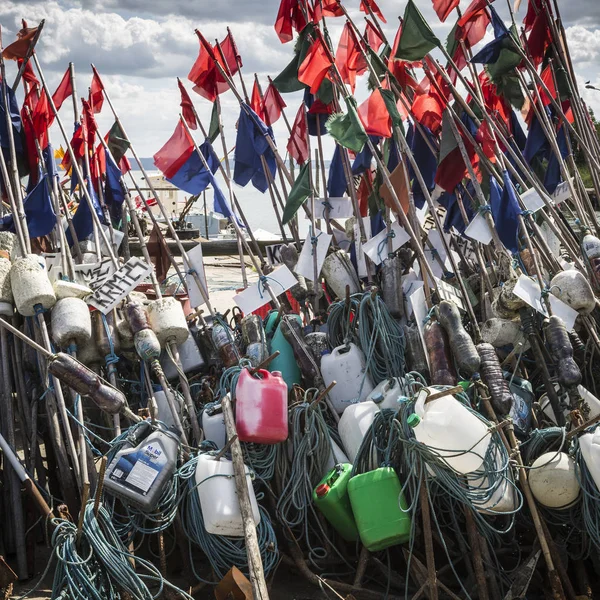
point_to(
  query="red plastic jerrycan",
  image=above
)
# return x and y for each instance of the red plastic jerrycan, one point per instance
(261, 408)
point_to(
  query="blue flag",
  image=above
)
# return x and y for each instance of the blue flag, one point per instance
(313, 118)
(114, 194)
(192, 177)
(505, 210)
(336, 180)
(490, 53)
(250, 145)
(536, 140)
(426, 161)
(553, 175)
(39, 211)
(394, 157)
(82, 219)
(15, 118)
(363, 159)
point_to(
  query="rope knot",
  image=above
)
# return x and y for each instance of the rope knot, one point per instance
(485, 208)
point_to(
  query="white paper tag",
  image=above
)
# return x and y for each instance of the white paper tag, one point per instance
(529, 291)
(195, 256)
(121, 283)
(436, 241)
(341, 208)
(410, 283)
(419, 307)
(532, 200)
(255, 296)
(562, 192)
(341, 239)
(479, 230)
(305, 265)
(377, 247)
(450, 293)
(117, 236)
(360, 254)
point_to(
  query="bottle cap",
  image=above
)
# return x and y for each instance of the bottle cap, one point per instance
(413, 420)
(322, 490)
(377, 398)
(464, 385)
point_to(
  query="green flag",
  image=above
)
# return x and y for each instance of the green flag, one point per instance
(508, 85)
(416, 38)
(347, 130)
(117, 144)
(451, 41)
(298, 194)
(287, 80)
(392, 108)
(213, 129)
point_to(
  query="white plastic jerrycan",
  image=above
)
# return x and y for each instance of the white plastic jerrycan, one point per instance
(388, 392)
(218, 497)
(346, 366)
(354, 423)
(590, 450)
(450, 430)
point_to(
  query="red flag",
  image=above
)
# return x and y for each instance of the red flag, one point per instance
(96, 95)
(366, 4)
(427, 110)
(289, 17)
(315, 66)
(399, 68)
(534, 8)
(63, 91)
(98, 164)
(365, 187)
(273, 105)
(539, 38)
(297, 145)
(28, 74)
(42, 119)
(89, 121)
(326, 8)
(549, 82)
(473, 10)
(173, 155)
(228, 57)
(373, 36)
(124, 165)
(443, 8)
(187, 108)
(29, 104)
(19, 48)
(318, 107)
(348, 58)
(374, 115)
(256, 102)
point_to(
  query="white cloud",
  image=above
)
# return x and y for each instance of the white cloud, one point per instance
(584, 44)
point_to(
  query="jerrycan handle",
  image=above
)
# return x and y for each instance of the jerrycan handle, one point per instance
(264, 374)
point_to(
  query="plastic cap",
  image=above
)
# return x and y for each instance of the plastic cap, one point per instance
(277, 373)
(464, 385)
(377, 398)
(322, 490)
(413, 420)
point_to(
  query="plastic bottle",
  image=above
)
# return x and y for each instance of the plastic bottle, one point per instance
(331, 498)
(223, 342)
(139, 475)
(593, 404)
(285, 363)
(524, 398)
(391, 285)
(591, 249)
(388, 393)
(380, 509)
(213, 424)
(261, 414)
(218, 496)
(339, 272)
(191, 358)
(451, 430)
(346, 366)
(553, 480)
(354, 423)
(440, 360)
(590, 451)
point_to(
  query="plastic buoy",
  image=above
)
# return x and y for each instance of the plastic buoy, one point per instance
(6, 296)
(167, 320)
(553, 480)
(31, 287)
(71, 322)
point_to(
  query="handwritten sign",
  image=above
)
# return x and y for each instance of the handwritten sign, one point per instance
(121, 283)
(305, 264)
(450, 293)
(255, 296)
(274, 254)
(533, 201)
(93, 275)
(529, 291)
(341, 208)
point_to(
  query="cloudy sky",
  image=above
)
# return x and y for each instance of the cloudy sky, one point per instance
(140, 47)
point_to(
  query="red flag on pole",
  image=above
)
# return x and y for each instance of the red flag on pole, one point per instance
(273, 104)
(96, 95)
(443, 8)
(256, 102)
(18, 49)
(366, 4)
(42, 119)
(348, 58)
(373, 36)
(90, 123)
(374, 115)
(289, 17)
(187, 109)
(298, 143)
(315, 66)
(326, 8)
(539, 38)
(28, 74)
(173, 155)
(63, 91)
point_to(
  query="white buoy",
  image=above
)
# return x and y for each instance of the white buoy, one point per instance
(574, 290)
(8, 242)
(553, 480)
(168, 320)
(339, 272)
(6, 296)
(30, 285)
(71, 322)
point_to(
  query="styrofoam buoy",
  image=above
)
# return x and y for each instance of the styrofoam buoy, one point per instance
(553, 480)
(167, 319)
(6, 296)
(69, 289)
(8, 242)
(503, 332)
(71, 322)
(573, 289)
(30, 285)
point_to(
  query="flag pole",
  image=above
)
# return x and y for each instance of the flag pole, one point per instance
(30, 50)
(237, 204)
(172, 231)
(263, 279)
(14, 169)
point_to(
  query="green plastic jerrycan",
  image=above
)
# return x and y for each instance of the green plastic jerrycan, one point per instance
(285, 362)
(331, 498)
(378, 504)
